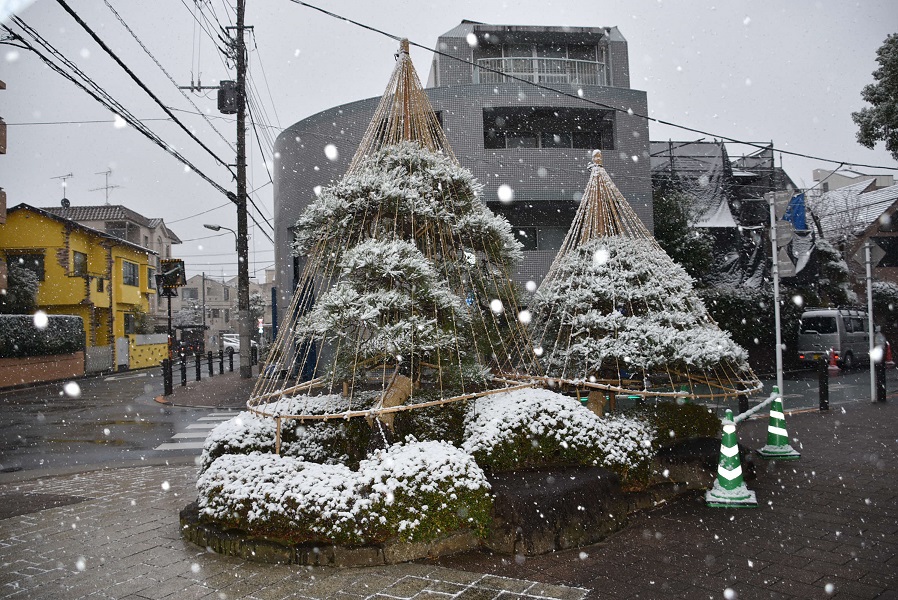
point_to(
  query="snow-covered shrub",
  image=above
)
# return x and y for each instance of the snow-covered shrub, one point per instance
(539, 428)
(422, 491)
(675, 422)
(621, 304)
(19, 337)
(415, 491)
(332, 441)
(445, 422)
(280, 496)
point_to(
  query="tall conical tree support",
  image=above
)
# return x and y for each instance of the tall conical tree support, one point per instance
(729, 489)
(404, 229)
(616, 314)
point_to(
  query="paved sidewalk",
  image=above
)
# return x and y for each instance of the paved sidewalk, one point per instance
(827, 527)
(227, 390)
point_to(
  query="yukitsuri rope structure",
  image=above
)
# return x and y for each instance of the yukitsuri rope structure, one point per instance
(405, 300)
(615, 314)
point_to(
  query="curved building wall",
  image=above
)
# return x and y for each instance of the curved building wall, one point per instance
(547, 182)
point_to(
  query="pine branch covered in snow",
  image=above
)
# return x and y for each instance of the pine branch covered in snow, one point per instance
(621, 304)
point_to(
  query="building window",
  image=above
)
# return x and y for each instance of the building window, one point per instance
(79, 263)
(527, 237)
(130, 273)
(100, 284)
(130, 324)
(32, 262)
(540, 127)
(216, 313)
(189, 293)
(151, 278)
(227, 315)
(227, 293)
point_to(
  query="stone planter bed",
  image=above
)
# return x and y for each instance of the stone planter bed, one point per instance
(534, 512)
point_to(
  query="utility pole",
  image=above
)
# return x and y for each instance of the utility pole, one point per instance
(242, 245)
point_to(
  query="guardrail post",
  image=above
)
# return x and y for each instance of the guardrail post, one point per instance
(183, 370)
(230, 362)
(221, 362)
(166, 377)
(823, 378)
(199, 366)
(880, 381)
(211, 368)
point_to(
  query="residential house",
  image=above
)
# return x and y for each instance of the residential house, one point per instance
(506, 131)
(834, 179)
(105, 280)
(126, 224)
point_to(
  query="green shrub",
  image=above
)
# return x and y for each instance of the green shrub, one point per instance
(19, 337)
(675, 422)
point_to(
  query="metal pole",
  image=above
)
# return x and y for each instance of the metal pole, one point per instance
(243, 326)
(869, 265)
(823, 383)
(204, 312)
(776, 293)
(169, 324)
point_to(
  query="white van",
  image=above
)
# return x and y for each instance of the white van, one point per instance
(844, 330)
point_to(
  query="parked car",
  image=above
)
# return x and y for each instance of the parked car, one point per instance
(231, 343)
(845, 331)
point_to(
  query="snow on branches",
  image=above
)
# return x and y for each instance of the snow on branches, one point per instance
(621, 304)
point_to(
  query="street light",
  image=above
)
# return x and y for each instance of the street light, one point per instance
(243, 316)
(220, 227)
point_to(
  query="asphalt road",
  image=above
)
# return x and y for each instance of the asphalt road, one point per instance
(109, 420)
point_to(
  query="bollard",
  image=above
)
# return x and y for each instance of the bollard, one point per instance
(880, 369)
(166, 377)
(221, 362)
(211, 368)
(183, 370)
(823, 374)
(230, 362)
(253, 355)
(743, 403)
(199, 366)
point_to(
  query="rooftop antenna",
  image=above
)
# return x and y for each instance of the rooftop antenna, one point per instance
(65, 201)
(106, 187)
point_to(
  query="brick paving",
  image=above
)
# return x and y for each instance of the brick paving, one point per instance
(827, 527)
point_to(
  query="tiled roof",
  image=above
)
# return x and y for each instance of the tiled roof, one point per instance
(110, 212)
(106, 212)
(75, 224)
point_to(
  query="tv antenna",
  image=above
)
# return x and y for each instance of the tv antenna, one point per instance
(106, 187)
(65, 201)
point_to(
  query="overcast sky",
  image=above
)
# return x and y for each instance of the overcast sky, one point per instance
(790, 72)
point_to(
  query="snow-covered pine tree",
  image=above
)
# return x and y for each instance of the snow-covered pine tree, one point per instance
(616, 313)
(416, 261)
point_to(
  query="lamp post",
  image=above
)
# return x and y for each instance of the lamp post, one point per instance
(243, 325)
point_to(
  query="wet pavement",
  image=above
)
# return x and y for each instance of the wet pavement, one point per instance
(827, 527)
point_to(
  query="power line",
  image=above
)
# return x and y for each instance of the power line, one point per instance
(629, 112)
(140, 83)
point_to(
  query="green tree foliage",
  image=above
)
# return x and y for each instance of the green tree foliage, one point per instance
(689, 247)
(879, 123)
(21, 292)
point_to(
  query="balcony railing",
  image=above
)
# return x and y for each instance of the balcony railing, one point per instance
(541, 70)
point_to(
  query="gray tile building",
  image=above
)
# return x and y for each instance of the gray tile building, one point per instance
(536, 141)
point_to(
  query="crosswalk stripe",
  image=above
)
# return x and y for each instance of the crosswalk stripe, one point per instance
(190, 434)
(218, 419)
(203, 426)
(181, 446)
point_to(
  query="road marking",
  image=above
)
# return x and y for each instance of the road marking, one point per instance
(181, 446)
(209, 426)
(123, 377)
(189, 434)
(218, 419)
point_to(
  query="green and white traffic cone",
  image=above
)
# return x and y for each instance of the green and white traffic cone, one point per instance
(729, 488)
(777, 437)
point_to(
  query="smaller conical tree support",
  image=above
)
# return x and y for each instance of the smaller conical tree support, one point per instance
(777, 437)
(729, 488)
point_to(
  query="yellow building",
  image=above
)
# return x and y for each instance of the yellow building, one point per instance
(85, 272)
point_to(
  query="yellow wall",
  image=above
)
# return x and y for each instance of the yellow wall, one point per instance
(64, 292)
(148, 355)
